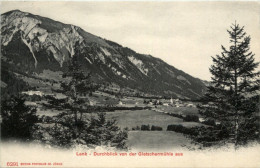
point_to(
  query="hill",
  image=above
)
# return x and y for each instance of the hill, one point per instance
(32, 45)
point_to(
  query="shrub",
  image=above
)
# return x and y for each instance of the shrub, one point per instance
(46, 119)
(56, 102)
(40, 135)
(98, 131)
(145, 127)
(136, 128)
(36, 98)
(189, 118)
(104, 132)
(156, 128)
(176, 128)
(210, 122)
(62, 136)
(211, 134)
(175, 115)
(181, 129)
(204, 135)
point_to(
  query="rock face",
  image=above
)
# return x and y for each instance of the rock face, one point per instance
(32, 43)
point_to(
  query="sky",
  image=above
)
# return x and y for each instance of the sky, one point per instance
(183, 34)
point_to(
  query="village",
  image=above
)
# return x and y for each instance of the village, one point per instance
(137, 115)
(111, 100)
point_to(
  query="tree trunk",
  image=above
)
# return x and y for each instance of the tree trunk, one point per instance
(76, 122)
(236, 96)
(236, 132)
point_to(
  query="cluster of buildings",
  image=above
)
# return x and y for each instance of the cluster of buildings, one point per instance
(164, 102)
(178, 103)
(169, 102)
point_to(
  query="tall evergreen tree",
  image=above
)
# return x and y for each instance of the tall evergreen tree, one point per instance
(18, 119)
(233, 93)
(78, 84)
(71, 127)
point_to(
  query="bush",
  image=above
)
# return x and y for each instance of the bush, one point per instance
(175, 115)
(210, 122)
(211, 134)
(137, 128)
(46, 119)
(204, 135)
(145, 127)
(176, 128)
(156, 128)
(35, 97)
(62, 136)
(181, 129)
(98, 131)
(55, 102)
(189, 118)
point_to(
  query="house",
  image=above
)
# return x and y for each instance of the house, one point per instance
(92, 103)
(201, 119)
(218, 123)
(31, 92)
(191, 105)
(166, 104)
(171, 101)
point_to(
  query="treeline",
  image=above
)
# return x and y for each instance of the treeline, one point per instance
(61, 104)
(14, 85)
(207, 136)
(147, 128)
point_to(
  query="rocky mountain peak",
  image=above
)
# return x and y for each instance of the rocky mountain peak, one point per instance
(36, 43)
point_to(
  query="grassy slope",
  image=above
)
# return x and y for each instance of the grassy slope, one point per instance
(139, 117)
(152, 140)
(180, 110)
(156, 140)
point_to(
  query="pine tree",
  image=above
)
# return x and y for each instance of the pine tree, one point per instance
(105, 132)
(232, 96)
(71, 127)
(18, 119)
(78, 84)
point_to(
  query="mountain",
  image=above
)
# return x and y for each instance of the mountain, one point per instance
(32, 44)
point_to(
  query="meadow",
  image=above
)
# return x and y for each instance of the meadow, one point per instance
(151, 140)
(130, 119)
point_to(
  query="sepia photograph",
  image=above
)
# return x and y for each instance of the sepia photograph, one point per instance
(130, 84)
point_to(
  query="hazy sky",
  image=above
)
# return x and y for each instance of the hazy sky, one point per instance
(183, 34)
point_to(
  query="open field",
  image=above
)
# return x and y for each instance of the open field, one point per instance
(157, 140)
(135, 118)
(151, 140)
(180, 110)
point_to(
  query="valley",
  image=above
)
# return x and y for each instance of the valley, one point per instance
(129, 84)
(135, 113)
(46, 63)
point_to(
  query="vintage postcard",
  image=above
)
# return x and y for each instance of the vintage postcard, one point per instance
(130, 84)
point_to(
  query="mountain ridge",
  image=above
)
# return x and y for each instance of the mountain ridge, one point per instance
(35, 43)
